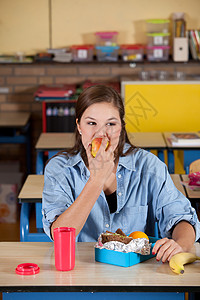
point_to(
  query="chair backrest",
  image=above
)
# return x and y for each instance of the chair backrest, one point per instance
(194, 166)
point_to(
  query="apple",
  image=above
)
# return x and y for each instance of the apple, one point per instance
(96, 143)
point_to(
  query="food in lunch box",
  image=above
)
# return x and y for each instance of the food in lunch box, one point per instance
(118, 236)
(138, 235)
(96, 143)
(119, 241)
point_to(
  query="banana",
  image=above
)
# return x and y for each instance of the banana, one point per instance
(178, 261)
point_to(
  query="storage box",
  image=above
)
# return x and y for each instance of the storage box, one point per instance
(123, 259)
(157, 25)
(132, 52)
(180, 49)
(158, 53)
(107, 53)
(158, 39)
(106, 38)
(82, 52)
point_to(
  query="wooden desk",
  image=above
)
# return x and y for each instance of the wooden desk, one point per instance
(51, 142)
(90, 279)
(14, 119)
(15, 129)
(149, 140)
(32, 189)
(31, 192)
(191, 153)
(177, 182)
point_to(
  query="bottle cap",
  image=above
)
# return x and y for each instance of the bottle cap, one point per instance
(27, 269)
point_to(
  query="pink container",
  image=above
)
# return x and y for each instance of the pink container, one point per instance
(106, 38)
(64, 248)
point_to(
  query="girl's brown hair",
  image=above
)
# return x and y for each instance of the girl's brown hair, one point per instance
(98, 94)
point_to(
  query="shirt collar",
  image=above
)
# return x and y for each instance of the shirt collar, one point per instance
(77, 160)
(127, 161)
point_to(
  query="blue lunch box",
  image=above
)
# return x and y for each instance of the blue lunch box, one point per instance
(123, 259)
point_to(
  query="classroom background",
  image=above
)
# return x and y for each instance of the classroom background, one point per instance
(31, 27)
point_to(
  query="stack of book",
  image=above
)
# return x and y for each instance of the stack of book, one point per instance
(194, 42)
(185, 139)
(61, 92)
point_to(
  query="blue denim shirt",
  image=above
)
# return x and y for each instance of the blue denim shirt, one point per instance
(145, 195)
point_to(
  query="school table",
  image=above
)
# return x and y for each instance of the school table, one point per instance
(149, 141)
(190, 153)
(90, 279)
(51, 142)
(15, 129)
(31, 193)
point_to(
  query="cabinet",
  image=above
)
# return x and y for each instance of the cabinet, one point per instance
(58, 116)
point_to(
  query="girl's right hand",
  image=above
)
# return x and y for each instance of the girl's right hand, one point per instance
(101, 166)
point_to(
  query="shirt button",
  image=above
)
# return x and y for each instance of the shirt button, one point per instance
(119, 194)
(119, 176)
(107, 225)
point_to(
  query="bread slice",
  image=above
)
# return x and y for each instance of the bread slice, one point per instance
(118, 236)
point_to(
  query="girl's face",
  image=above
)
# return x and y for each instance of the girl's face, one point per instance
(98, 120)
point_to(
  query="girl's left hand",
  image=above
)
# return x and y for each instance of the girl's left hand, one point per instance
(165, 249)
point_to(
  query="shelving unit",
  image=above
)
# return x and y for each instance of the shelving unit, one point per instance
(58, 122)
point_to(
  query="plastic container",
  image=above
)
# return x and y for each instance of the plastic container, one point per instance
(158, 25)
(64, 248)
(106, 38)
(132, 52)
(82, 52)
(157, 53)
(158, 39)
(107, 53)
(27, 269)
(123, 259)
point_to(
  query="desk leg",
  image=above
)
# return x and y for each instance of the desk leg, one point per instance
(170, 156)
(52, 153)
(24, 221)
(28, 149)
(38, 212)
(94, 296)
(39, 163)
(161, 155)
(25, 235)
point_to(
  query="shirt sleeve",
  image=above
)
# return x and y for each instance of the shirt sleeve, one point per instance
(173, 207)
(57, 197)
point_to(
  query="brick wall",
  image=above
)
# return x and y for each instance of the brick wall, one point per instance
(23, 80)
